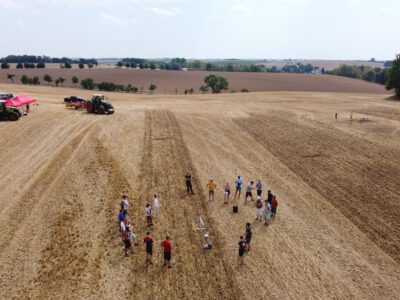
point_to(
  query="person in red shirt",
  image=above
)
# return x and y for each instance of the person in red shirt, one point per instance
(274, 206)
(167, 246)
(148, 240)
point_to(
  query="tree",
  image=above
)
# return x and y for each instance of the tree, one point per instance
(67, 65)
(75, 80)
(47, 78)
(393, 77)
(61, 80)
(26, 65)
(11, 77)
(57, 82)
(24, 79)
(119, 64)
(88, 84)
(216, 83)
(152, 88)
(35, 80)
(204, 89)
(20, 66)
(40, 65)
(90, 66)
(81, 66)
(5, 65)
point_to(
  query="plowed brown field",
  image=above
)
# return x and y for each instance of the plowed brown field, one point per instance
(168, 81)
(336, 235)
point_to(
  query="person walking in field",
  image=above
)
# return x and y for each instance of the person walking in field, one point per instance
(239, 184)
(156, 206)
(267, 213)
(124, 204)
(127, 242)
(259, 206)
(269, 197)
(148, 240)
(242, 250)
(227, 192)
(249, 235)
(148, 215)
(211, 189)
(167, 246)
(274, 206)
(249, 191)
(259, 188)
(188, 181)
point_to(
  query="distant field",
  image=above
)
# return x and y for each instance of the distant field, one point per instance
(326, 64)
(168, 81)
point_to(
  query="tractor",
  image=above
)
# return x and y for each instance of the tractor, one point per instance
(100, 105)
(9, 113)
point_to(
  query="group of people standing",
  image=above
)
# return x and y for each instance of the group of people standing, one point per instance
(266, 210)
(129, 237)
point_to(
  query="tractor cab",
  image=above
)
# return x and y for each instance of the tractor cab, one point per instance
(100, 105)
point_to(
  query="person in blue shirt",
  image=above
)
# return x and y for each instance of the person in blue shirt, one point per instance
(239, 184)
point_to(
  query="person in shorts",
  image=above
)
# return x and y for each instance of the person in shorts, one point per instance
(249, 235)
(259, 206)
(239, 184)
(227, 192)
(167, 246)
(274, 206)
(148, 215)
(148, 240)
(259, 188)
(211, 189)
(242, 249)
(249, 191)
(124, 204)
(188, 181)
(127, 242)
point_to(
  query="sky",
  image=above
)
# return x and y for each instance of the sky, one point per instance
(268, 29)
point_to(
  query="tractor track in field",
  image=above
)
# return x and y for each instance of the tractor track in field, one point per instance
(165, 160)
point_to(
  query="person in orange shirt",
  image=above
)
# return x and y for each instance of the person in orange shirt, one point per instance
(211, 188)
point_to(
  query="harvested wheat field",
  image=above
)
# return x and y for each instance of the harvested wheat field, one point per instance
(336, 234)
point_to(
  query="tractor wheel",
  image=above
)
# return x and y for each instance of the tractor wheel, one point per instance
(101, 110)
(12, 116)
(89, 107)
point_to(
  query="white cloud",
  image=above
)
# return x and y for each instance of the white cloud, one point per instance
(164, 12)
(111, 19)
(295, 1)
(241, 9)
(356, 2)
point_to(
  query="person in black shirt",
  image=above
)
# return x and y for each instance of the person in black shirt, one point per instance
(188, 180)
(269, 197)
(148, 240)
(242, 249)
(249, 235)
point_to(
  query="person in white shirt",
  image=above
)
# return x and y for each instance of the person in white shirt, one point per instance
(156, 207)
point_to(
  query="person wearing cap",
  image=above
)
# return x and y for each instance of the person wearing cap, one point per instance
(211, 188)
